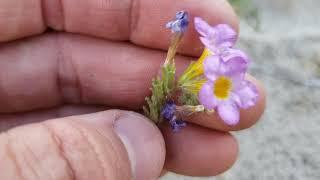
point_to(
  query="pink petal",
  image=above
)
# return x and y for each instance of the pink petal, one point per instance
(207, 43)
(226, 36)
(236, 70)
(206, 96)
(247, 95)
(235, 54)
(212, 67)
(234, 66)
(202, 26)
(229, 112)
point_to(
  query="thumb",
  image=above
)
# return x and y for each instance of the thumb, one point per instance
(107, 145)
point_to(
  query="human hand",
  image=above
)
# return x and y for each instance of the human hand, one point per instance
(109, 63)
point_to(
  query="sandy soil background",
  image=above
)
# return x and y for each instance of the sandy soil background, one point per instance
(285, 144)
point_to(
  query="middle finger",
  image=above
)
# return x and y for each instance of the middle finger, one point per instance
(54, 69)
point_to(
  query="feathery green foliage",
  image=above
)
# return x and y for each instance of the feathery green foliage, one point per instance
(161, 88)
(188, 98)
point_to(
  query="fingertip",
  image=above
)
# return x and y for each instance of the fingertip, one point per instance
(144, 144)
(142, 140)
(152, 19)
(212, 11)
(232, 17)
(197, 151)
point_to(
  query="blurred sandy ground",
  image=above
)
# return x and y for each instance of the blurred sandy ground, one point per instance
(285, 144)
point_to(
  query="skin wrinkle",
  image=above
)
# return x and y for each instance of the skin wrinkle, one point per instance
(64, 80)
(112, 146)
(134, 16)
(43, 12)
(59, 61)
(61, 5)
(88, 136)
(88, 141)
(11, 156)
(33, 156)
(115, 116)
(53, 14)
(58, 143)
(42, 15)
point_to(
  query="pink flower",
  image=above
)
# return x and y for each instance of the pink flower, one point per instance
(216, 38)
(226, 90)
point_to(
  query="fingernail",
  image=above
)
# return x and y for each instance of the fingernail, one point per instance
(144, 144)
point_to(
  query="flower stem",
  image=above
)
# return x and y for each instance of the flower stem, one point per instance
(172, 51)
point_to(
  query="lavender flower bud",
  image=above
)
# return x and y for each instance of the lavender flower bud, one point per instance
(180, 24)
(169, 113)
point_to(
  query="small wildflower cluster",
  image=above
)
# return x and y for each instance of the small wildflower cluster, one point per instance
(214, 83)
(169, 113)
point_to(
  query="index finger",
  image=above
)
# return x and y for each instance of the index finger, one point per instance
(139, 21)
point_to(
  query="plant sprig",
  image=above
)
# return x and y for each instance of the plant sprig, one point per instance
(162, 87)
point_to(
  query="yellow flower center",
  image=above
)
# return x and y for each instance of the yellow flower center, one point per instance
(222, 87)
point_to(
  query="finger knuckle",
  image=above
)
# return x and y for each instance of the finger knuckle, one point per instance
(62, 150)
(33, 153)
(80, 144)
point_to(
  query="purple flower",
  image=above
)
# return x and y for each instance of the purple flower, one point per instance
(180, 24)
(226, 90)
(176, 124)
(169, 113)
(169, 110)
(216, 38)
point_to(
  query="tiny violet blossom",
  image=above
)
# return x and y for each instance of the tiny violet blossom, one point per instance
(180, 24)
(226, 90)
(217, 38)
(169, 114)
